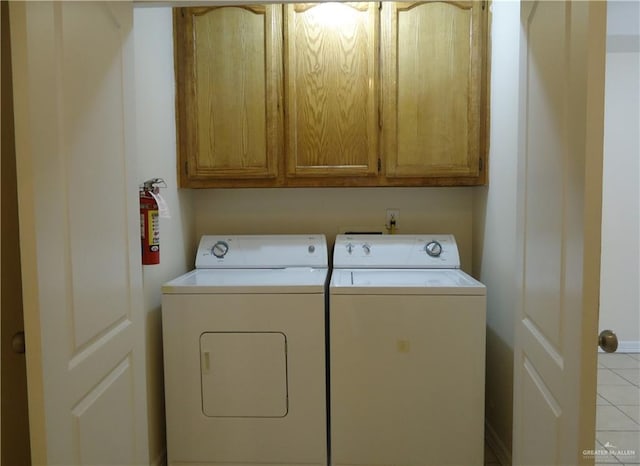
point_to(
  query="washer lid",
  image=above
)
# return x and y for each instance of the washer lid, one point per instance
(405, 282)
(241, 281)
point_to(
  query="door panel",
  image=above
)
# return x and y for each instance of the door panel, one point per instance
(229, 74)
(93, 116)
(331, 87)
(79, 228)
(543, 409)
(104, 413)
(432, 78)
(544, 226)
(219, 35)
(560, 173)
(244, 374)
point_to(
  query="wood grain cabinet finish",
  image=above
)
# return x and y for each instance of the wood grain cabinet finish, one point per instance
(229, 94)
(432, 75)
(332, 94)
(331, 89)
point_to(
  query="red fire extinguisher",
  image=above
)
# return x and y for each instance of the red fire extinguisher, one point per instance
(150, 221)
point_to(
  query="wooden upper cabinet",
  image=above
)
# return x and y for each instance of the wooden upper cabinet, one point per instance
(332, 94)
(432, 79)
(331, 89)
(229, 99)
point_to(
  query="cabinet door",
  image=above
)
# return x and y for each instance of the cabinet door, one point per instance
(229, 81)
(432, 71)
(331, 68)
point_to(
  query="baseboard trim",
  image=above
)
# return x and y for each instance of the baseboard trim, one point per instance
(502, 453)
(628, 346)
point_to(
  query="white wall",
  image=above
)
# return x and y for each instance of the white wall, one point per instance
(623, 18)
(494, 226)
(332, 210)
(157, 158)
(620, 264)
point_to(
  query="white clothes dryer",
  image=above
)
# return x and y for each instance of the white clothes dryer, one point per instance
(244, 353)
(407, 353)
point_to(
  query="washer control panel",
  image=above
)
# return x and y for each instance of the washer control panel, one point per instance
(261, 251)
(396, 251)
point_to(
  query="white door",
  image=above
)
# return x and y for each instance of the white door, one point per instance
(79, 227)
(559, 200)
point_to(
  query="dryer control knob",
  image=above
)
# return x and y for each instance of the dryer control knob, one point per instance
(433, 248)
(367, 248)
(349, 248)
(220, 249)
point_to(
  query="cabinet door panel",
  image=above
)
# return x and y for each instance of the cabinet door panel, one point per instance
(432, 72)
(331, 89)
(229, 111)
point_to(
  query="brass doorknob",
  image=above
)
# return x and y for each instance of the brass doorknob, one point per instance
(608, 341)
(18, 343)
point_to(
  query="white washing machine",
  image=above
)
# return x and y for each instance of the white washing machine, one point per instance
(407, 353)
(244, 353)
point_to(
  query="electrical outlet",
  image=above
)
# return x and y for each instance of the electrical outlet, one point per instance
(392, 219)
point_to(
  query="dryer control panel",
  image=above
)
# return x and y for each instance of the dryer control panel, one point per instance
(261, 251)
(396, 251)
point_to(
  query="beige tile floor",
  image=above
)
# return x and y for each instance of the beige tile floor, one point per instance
(617, 411)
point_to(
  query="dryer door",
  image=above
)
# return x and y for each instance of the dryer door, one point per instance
(244, 374)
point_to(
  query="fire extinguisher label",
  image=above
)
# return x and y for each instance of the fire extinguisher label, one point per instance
(154, 230)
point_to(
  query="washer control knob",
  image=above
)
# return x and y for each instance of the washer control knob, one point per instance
(433, 248)
(349, 248)
(367, 248)
(220, 249)
(311, 249)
